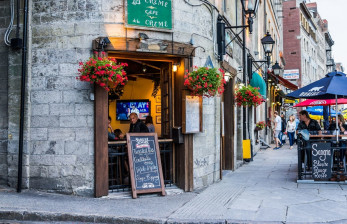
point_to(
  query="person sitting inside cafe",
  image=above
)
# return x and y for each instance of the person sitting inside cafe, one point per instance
(342, 126)
(111, 135)
(118, 134)
(313, 127)
(136, 125)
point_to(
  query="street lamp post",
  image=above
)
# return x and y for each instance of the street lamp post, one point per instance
(268, 44)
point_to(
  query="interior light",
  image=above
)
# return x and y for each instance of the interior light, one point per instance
(227, 76)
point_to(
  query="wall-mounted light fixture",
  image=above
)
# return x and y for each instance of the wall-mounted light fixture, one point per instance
(227, 76)
(103, 42)
(175, 67)
(250, 11)
(144, 69)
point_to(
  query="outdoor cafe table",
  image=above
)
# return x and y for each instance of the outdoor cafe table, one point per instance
(326, 158)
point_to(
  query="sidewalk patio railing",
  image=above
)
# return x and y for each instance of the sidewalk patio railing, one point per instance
(337, 162)
(119, 176)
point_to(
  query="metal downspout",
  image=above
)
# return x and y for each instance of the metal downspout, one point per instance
(22, 97)
(244, 71)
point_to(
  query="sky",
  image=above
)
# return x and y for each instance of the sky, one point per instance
(335, 12)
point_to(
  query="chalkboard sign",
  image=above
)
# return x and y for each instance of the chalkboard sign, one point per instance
(150, 13)
(144, 163)
(192, 114)
(321, 161)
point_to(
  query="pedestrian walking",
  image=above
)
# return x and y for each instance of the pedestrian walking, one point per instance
(283, 130)
(277, 130)
(291, 128)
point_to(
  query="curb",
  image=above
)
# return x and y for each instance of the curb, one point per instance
(22, 215)
(63, 217)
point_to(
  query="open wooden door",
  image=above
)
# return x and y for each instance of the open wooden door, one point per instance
(166, 100)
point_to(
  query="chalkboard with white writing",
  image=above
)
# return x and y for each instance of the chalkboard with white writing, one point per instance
(321, 160)
(144, 163)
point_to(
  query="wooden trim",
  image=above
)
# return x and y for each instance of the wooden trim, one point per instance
(132, 45)
(183, 152)
(101, 141)
(184, 114)
(229, 125)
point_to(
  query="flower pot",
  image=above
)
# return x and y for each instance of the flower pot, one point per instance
(257, 129)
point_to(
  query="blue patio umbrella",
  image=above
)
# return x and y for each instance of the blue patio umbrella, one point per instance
(333, 85)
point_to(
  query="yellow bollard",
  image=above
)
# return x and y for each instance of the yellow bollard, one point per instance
(246, 148)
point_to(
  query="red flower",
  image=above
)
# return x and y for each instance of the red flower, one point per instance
(204, 81)
(102, 70)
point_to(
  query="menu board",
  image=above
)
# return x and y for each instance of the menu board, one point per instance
(144, 163)
(192, 110)
(321, 160)
(155, 14)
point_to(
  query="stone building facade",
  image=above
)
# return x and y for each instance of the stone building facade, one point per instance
(60, 114)
(59, 117)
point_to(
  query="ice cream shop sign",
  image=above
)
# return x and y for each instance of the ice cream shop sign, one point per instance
(150, 13)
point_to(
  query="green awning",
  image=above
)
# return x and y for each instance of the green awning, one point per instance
(258, 81)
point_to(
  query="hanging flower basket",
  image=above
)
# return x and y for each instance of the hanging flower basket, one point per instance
(204, 81)
(248, 96)
(260, 126)
(103, 71)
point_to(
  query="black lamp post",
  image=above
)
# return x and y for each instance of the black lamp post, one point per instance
(268, 45)
(276, 68)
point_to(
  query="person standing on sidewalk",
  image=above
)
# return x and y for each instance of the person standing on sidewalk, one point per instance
(277, 130)
(283, 130)
(291, 128)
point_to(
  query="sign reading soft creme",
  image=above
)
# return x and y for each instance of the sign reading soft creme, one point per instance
(291, 74)
(150, 13)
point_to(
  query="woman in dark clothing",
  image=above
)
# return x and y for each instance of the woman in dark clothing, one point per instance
(341, 124)
(149, 124)
(342, 128)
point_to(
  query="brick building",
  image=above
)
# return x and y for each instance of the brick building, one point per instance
(304, 41)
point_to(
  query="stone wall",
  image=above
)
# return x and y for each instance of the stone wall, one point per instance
(5, 20)
(59, 121)
(206, 153)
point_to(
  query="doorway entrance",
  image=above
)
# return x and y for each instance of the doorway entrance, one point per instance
(152, 82)
(148, 93)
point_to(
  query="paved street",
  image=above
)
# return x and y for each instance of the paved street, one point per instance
(263, 191)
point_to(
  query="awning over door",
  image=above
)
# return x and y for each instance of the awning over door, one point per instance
(258, 81)
(284, 82)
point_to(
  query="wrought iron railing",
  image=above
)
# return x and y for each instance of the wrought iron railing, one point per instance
(337, 150)
(119, 176)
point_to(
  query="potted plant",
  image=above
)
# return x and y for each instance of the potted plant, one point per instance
(260, 125)
(248, 96)
(205, 81)
(103, 71)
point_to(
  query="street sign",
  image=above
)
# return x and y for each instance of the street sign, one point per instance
(152, 14)
(291, 74)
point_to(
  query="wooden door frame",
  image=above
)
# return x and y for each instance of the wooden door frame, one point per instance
(229, 120)
(183, 152)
